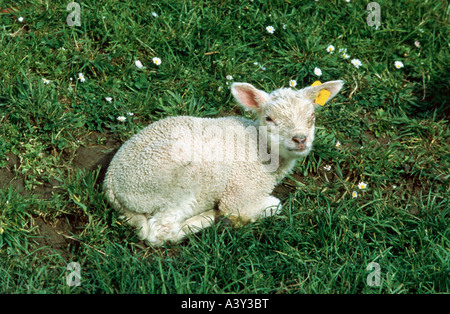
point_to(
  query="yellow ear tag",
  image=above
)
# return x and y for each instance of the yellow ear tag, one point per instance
(322, 96)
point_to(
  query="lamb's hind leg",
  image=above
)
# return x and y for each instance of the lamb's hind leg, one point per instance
(197, 223)
(176, 221)
(139, 221)
(167, 229)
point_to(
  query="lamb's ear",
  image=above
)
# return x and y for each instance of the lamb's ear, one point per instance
(249, 96)
(312, 92)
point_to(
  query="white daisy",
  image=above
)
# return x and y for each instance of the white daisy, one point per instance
(108, 99)
(330, 48)
(356, 62)
(417, 44)
(155, 14)
(81, 77)
(327, 167)
(338, 144)
(138, 64)
(45, 81)
(121, 119)
(229, 77)
(399, 64)
(292, 83)
(270, 29)
(156, 60)
(354, 194)
(343, 52)
(362, 185)
(130, 114)
(317, 71)
(20, 19)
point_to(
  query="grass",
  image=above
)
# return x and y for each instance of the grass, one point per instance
(392, 126)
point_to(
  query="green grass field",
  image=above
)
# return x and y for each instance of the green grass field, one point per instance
(388, 128)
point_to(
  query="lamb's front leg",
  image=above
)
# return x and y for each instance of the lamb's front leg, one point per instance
(241, 213)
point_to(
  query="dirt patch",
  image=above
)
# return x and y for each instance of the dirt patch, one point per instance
(93, 155)
(8, 176)
(54, 236)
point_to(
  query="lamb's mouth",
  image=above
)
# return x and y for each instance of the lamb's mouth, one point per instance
(304, 150)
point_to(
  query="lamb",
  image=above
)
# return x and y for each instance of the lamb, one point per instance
(177, 175)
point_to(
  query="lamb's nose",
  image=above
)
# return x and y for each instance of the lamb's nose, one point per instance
(299, 139)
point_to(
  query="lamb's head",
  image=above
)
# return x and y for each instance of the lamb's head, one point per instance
(286, 115)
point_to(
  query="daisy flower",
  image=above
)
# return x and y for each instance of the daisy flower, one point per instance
(354, 194)
(138, 64)
(317, 71)
(327, 167)
(81, 77)
(343, 52)
(356, 62)
(398, 64)
(20, 19)
(330, 48)
(156, 60)
(229, 77)
(362, 185)
(108, 99)
(45, 81)
(292, 83)
(130, 114)
(270, 29)
(121, 119)
(338, 144)
(155, 14)
(417, 44)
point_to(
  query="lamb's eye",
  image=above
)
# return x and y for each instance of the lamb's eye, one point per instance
(269, 119)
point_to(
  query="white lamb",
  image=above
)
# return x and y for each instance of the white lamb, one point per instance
(178, 174)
